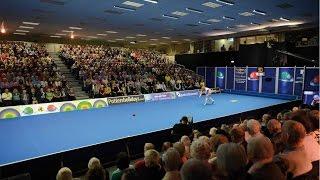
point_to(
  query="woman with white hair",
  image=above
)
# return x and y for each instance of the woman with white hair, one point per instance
(64, 174)
(260, 153)
(93, 162)
(185, 140)
(171, 162)
(200, 150)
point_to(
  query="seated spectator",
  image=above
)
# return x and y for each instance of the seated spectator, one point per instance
(215, 142)
(231, 161)
(148, 146)
(254, 128)
(212, 131)
(274, 128)
(185, 140)
(93, 162)
(130, 174)
(195, 169)
(25, 97)
(182, 128)
(310, 142)
(171, 163)
(64, 174)
(122, 163)
(165, 146)
(237, 136)
(16, 100)
(181, 149)
(150, 167)
(260, 153)
(264, 121)
(200, 150)
(293, 134)
(6, 97)
(196, 134)
(97, 173)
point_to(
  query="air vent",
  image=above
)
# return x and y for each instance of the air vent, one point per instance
(285, 6)
(192, 25)
(113, 12)
(155, 19)
(53, 2)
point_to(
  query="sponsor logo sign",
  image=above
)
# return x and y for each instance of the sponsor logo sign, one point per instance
(187, 93)
(125, 99)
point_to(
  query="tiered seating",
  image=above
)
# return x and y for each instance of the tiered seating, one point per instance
(29, 76)
(108, 71)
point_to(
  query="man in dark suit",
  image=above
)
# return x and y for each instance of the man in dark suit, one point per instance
(181, 129)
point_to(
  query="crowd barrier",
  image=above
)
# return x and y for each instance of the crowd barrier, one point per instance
(67, 106)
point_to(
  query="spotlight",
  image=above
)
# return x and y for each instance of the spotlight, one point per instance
(72, 35)
(3, 30)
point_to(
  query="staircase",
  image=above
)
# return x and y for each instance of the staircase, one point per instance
(72, 81)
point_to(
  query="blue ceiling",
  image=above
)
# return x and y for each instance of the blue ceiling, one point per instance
(98, 16)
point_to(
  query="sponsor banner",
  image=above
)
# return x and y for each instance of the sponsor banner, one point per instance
(269, 80)
(187, 93)
(311, 82)
(298, 82)
(55, 107)
(240, 78)
(253, 80)
(125, 99)
(285, 85)
(220, 77)
(160, 96)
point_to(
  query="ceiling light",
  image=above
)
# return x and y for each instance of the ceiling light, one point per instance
(175, 41)
(274, 20)
(67, 31)
(133, 4)
(130, 37)
(17, 33)
(111, 32)
(213, 20)
(25, 31)
(194, 10)
(76, 28)
(133, 42)
(211, 4)
(241, 25)
(141, 35)
(165, 37)
(228, 18)
(120, 39)
(2, 29)
(55, 36)
(124, 8)
(284, 19)
(60, 34)
(253, 23)
(205, 23)
(259, 12)
(170, 17)
(153, 44)
(30, 23)
(163, 43)
(152, 1)
(187, 39)
(101, 34)
(26, 27)
(142, 41)
(246, 14)
(179, 13)
(72, 35)
(153, 39)
(111, 41)
(230, 3)
(92, 37)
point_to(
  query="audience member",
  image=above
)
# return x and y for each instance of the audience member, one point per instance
(93, 162)
(181, 150)
(195, 169)
(122, 163)
(237, 136)
(97, 173)
(274, 128)
(130, 174)
(171, 162)
(185, 140)
(182, 128)
(260, 153)
(254, 128)
(64, 174)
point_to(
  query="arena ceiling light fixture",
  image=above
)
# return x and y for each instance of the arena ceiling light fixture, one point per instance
(133, 4)
(26, 27)
(20, 30)
(111, 32)
(17, 33)
(254, 23)
(101, 34)
(213, 20)
(111, 41)
(170, 17)
(259, 12)
(30, 23)
(165, 37)
(284, 19)
(75, 28)
(194, 10)
(60, 34)
(228, 18)
(55, 36)
(152, 1)
(67, 31)
(141, 35)
(204, 23)
(230, 3)
(2, 29)
(124, 8)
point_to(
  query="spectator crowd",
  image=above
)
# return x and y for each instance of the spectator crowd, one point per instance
(106, 71)
(279, 147)
(29, 76)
